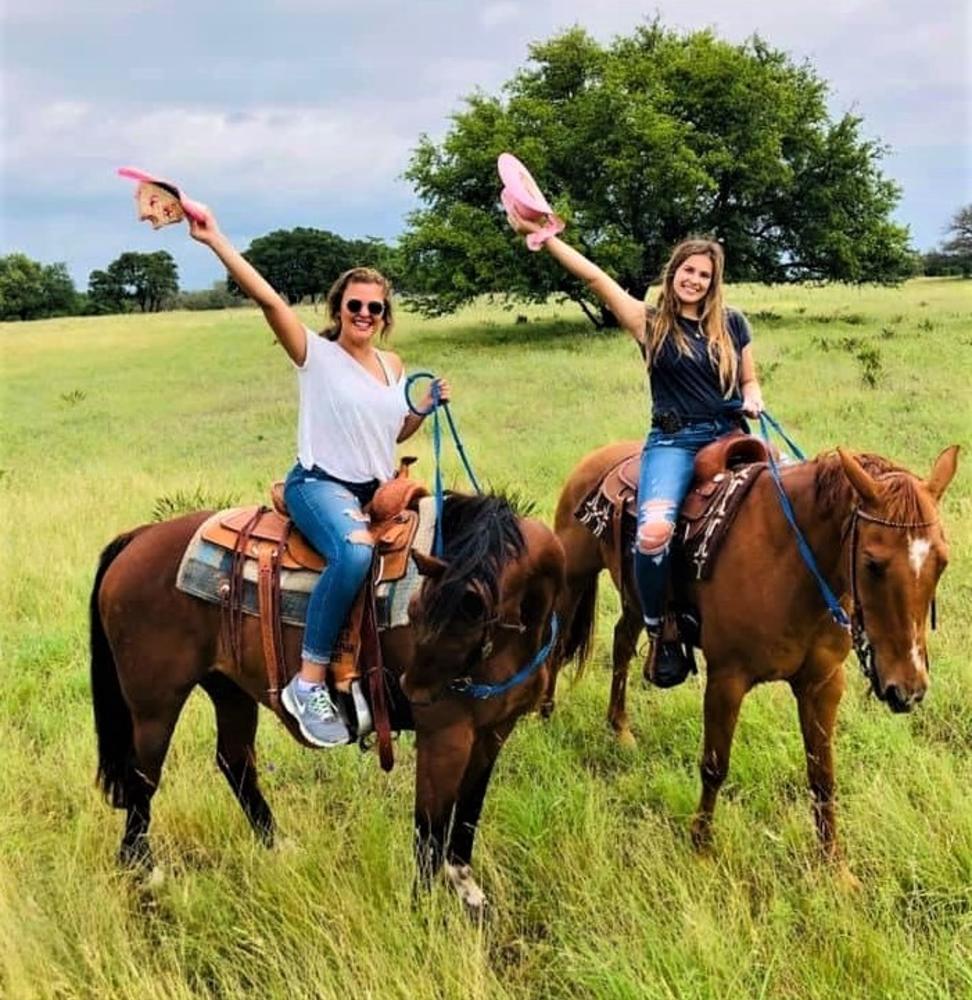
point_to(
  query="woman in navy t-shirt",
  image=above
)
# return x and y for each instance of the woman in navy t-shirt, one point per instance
(702, 373)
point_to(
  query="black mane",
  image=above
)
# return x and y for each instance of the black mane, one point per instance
(480, 535)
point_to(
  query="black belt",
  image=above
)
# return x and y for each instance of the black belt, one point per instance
(670, 422)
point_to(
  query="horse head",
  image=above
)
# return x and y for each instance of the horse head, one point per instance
(898, 552)
(489, 597)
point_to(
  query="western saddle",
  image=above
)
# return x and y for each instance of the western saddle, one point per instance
(724, 473)
(268, 537)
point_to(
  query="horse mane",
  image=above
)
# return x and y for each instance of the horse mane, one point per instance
(481, 534)
(900, 495)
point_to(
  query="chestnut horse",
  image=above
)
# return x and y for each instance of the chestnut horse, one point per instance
(483, 614)
(875, 533)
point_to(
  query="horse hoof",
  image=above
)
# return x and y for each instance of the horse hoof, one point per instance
(155, 879)
(467, 889)
(845, 879)
(284, 845)
(701, 834)
(626, 739)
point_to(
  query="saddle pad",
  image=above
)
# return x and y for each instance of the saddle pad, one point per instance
(205, 571)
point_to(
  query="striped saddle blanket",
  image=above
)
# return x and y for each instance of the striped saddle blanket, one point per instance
(206, 567)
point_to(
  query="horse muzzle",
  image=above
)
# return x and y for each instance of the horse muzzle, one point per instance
(899, 700)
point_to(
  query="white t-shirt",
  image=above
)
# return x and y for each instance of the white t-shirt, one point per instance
(348, 421)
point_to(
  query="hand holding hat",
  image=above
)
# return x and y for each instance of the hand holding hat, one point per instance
(161, 202)
(523, 199)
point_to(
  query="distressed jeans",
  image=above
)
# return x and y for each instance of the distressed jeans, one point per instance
(667, 461)
(328, 514)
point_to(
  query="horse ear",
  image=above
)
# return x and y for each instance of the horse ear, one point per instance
(859, 479)
(429, 566)
(942, 471)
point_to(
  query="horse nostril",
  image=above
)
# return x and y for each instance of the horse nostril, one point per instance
(893, 696)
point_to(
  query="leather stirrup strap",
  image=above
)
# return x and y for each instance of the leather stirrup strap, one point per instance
(268, 593)
(371, 656)
(232, 617)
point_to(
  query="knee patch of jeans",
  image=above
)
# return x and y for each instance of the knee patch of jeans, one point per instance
(654, 537)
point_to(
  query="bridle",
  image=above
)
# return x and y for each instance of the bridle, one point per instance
(484, 689)
(863, 648)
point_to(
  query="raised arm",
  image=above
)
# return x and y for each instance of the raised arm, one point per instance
(287, 328)
(630, 312)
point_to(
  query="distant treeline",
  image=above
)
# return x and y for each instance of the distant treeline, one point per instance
(300, 264)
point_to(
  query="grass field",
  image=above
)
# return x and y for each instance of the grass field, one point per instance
(583, 847)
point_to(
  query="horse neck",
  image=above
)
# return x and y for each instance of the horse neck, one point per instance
(824, 525)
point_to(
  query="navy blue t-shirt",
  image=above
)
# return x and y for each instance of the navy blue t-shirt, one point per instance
(688, 384)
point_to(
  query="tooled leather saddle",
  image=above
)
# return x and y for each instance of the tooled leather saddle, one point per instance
(725, 471)
(267, 537)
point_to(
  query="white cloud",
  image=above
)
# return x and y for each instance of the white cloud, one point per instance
(264, 150)
(494, 14)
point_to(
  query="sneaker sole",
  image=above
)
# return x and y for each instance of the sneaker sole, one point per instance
(286, 699)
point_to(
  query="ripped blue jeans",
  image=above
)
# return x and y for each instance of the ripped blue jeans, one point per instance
(328, 514)
(666, 475)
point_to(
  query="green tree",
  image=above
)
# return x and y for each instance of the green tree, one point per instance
(31, 290)
(61, 297)
(21, 287)
(299, 262)
(954, 256)
(106, 294)
(149, 280)
(961, 230)
(640, 143)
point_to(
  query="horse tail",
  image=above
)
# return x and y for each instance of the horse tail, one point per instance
(112, 718)
(579, 638)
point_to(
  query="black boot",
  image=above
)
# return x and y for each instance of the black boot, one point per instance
(669, 662)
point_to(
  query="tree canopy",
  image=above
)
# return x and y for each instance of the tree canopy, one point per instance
(148, 280)
(954, 255)
(303, 262)
(31, 290)
(640, 143)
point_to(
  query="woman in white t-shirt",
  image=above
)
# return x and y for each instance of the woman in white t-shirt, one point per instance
(352, 412)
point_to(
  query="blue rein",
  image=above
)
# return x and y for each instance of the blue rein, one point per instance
(438, 404)
(466, 686)
(838, 614)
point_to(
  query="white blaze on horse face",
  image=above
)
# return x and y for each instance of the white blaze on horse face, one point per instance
(460, 878)
(918, 549)
(916, 658)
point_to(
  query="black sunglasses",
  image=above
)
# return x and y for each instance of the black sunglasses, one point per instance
(354, 306)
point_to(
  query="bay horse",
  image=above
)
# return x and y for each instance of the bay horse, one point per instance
(875, 533)
(482, 612)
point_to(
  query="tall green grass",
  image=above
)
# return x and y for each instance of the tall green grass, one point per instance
(583, 846)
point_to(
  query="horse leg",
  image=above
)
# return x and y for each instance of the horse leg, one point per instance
(236, 726)
(724, 692)
(475, 781)
(626, 633)
(151, 732)
(576, 591)
(442, 759)
(818, 687)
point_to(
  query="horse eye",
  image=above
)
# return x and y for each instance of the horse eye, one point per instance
(471, 607)
(875, 568)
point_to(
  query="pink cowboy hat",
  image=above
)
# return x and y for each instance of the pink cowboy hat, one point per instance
(521, 194)
(194, 209)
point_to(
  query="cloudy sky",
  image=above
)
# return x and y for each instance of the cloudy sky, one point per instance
(304, 112)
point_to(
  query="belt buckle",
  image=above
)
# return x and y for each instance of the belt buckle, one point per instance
(669, 423)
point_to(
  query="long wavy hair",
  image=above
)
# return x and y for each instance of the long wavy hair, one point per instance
(367, 276)
(663, 323)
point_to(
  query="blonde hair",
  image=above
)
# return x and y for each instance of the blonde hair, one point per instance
(364, 276)
(663, 323)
